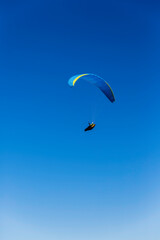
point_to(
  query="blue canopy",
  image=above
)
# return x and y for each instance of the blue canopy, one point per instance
(95, 80)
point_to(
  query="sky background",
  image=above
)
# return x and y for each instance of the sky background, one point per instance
(57, 181)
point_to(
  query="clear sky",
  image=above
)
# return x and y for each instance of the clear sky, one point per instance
(56, 181)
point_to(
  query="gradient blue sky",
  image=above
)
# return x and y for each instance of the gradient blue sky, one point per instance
(57, 182)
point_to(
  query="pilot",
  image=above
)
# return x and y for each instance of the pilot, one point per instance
(90, 127)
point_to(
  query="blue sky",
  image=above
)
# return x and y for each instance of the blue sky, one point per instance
(56, 181)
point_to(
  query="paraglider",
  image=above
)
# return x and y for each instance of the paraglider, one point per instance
(95, 80)
(99, 83)
(90, 127)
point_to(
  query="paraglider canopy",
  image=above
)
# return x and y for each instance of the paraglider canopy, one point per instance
(95, 80)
